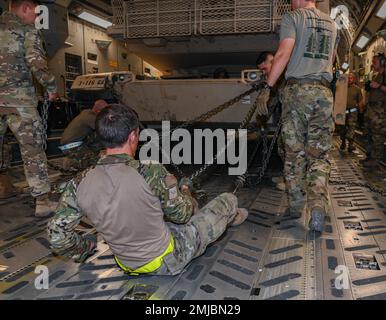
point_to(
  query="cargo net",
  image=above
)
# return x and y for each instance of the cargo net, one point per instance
(167, 18)
(280, 7)
(118, 19)
(234, 16)
(157, 18)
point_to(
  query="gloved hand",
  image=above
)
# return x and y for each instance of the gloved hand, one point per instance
(187, 183)
(262, 100)
(85, 249)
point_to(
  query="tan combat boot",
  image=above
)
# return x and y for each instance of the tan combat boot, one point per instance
(280, 183)
(44, 206)
(7, 189)
(241, 216)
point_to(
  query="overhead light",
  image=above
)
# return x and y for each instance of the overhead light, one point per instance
(382, 11)
(362, 42)
(94, 19)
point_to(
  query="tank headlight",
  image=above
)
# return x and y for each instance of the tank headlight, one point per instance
(248, 76)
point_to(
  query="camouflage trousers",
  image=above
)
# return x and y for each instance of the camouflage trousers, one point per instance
(26, 126)
(277, 115)
(281, 147)
(307, 134)
(80, 158)
(192, 239)
(348, 130)
(375, 128)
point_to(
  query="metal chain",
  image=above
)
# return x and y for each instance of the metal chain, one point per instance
(210, 114)
(46, 105)
(267, 152)
(242, 179)
(62, 170)
(243, 125)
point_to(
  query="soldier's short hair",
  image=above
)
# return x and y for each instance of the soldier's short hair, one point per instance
(263, 56)
(114, 124)
(17, 3)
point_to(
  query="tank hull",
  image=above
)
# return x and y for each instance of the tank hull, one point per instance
(183, 100)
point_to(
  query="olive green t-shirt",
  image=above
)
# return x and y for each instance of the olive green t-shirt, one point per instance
(316, 39)
(354, 96)
(376, 95)
(79, 128)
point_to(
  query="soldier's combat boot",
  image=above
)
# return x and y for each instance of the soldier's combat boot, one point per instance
(44, 206)
(351, 148)
(318, 216)
(293, 213)
(241, 216)
(279, 183)
(343, 145)
(7, 190)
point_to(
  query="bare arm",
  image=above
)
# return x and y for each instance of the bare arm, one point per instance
(281, 60)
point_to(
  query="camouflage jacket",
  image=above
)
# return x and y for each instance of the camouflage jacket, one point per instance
(21, 55)
(177, 206)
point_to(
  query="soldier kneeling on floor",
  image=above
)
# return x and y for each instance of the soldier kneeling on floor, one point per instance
(148, 219)
(79, 142)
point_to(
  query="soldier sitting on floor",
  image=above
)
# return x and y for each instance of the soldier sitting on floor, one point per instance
(78, 141)
(140, 210)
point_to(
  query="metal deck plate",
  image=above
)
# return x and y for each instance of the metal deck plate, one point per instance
(270, 256)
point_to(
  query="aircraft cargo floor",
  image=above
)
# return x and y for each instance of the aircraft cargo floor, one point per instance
(270, 256)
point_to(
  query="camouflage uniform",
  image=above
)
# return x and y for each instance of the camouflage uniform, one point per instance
(375, 118)
(22, 53)
(81, 128)
(84, 156)
(191, 234)
(307, 132)
(350, 124)
(205, 227)
(354, 99)
(307, 110)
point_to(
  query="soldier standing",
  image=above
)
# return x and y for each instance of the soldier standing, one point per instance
(354, 104)
(128, 202)
(375, 116)
(21, 56)
(307, 48)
